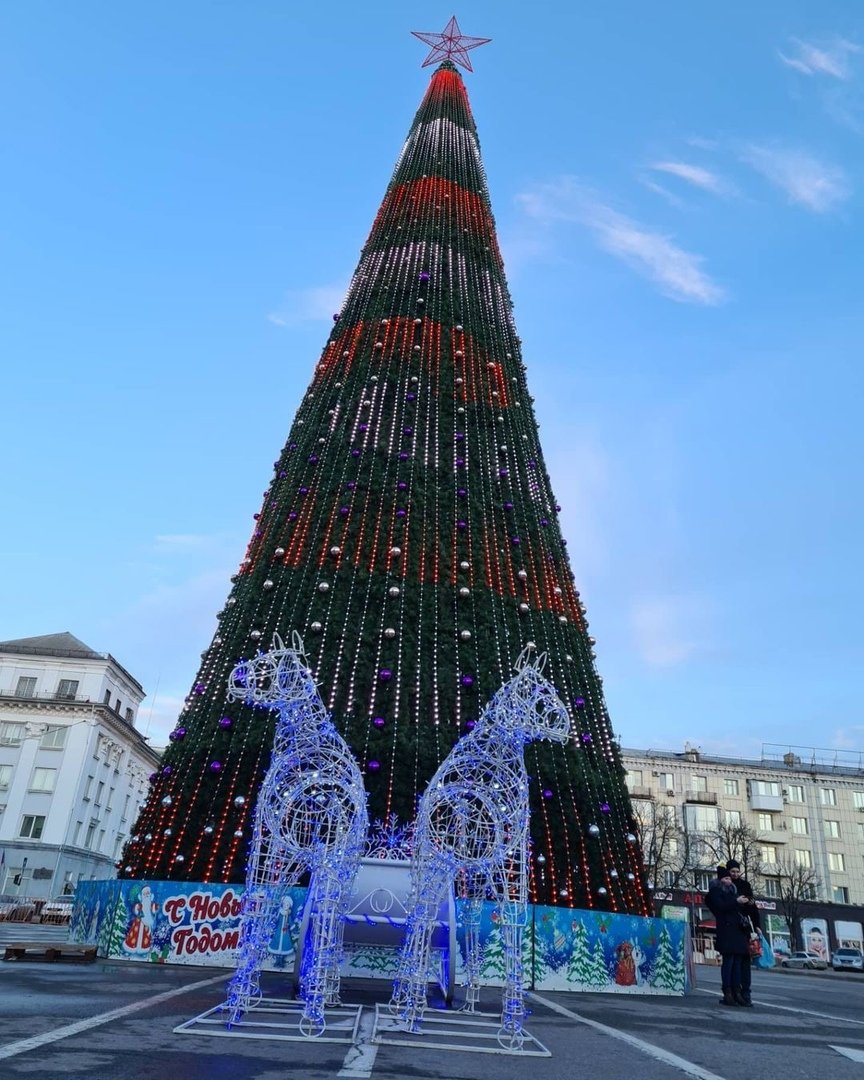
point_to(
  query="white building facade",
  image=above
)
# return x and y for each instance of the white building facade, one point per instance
(73, 768)
(806, 808)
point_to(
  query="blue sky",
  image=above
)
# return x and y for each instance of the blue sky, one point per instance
(184, 190)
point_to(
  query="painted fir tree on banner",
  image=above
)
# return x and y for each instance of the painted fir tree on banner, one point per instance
(410, 534)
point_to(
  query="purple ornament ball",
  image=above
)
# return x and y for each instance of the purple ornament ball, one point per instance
(586, 738)
(548, 793)
(379, 721)
(373, 765)
(215, 766)
(200, 687)
(470, 724)
(225, 721)
(167, 770)
(154, 776)
(604, 807)
(424, 275)
(467, 680)
(385, 675)
(579, 703)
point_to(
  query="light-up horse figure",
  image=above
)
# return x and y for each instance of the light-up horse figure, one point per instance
(472, 828)
(310, 816)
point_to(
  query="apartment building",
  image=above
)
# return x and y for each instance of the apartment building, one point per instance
(73, 767)
(805, 806)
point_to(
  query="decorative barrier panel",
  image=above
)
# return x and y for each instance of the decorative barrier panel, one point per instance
(170, 922)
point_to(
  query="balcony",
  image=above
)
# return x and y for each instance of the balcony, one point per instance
(708, 798)
(638, 792)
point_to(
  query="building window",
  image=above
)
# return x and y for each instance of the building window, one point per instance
(11, 734)
(110, 800)
(43, 780)
(808, 892)
(730, 787)
(765, 787)
(701, 819)
(803, 858)
(5, 776)
(67, 689)
(633, 778)
(766, 822)
(117, 705)
(858, 800)
(828, 796)
(87, 787)
(129, 716)
(795, 793)
(699, 783)
(840, 894)
(32, 826)
(800, 826)
(832, 830)
(100, 787)
(837, 861)
(107, 699)
(77, 833)
(91, 832)
(665, 781)
(125, 813)
(702, 880)
(101, 840)
(733, 818)
(768, 854)
(860, 831)
(26, 686)
(54, 738)
(771, 887)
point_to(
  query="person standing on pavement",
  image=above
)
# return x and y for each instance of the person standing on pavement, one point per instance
(733, 940)
(745, 889)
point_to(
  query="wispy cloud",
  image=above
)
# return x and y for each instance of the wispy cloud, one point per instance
(831, 59)
(669, 630)
(317, 304)
(806, 181)
(677, 273)
(663, 192)
(696, 175)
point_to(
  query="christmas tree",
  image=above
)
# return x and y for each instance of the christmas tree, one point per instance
(587, 966)
(409, 532)
(666, 973)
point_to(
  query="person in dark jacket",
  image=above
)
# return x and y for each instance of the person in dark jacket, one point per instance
(745, 889)
(733, 939)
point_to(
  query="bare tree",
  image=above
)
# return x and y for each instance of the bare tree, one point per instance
(666, 846)
(795, 883)
(728, 840)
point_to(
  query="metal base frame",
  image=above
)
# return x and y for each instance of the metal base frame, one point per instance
(473, 1033)
(276, 1019)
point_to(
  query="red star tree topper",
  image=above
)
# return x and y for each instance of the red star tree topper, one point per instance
(450, 44)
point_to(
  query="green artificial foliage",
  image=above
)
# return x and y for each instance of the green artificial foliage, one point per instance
(410, 534)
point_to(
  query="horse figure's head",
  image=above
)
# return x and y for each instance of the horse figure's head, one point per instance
(529, 704)
(270, 678)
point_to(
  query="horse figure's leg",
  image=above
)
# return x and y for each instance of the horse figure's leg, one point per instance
(321, 957)
(259, 914)
(430, 881)
(513, 914)
(472, 911)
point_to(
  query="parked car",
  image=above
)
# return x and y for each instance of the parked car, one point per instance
(804, 960)
(58, 909)
(848, 960)
(16, 908)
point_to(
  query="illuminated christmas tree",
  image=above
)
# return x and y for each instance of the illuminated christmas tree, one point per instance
(410, 534)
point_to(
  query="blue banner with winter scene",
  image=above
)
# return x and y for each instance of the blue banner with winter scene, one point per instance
(564, 948)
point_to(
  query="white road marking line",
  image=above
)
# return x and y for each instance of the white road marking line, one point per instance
(847, 1051)
(23, 1045)
(688, 1067)
(360, 1059)
(791, 1008)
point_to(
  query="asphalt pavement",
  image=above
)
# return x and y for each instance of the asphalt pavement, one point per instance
(111, 1020)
